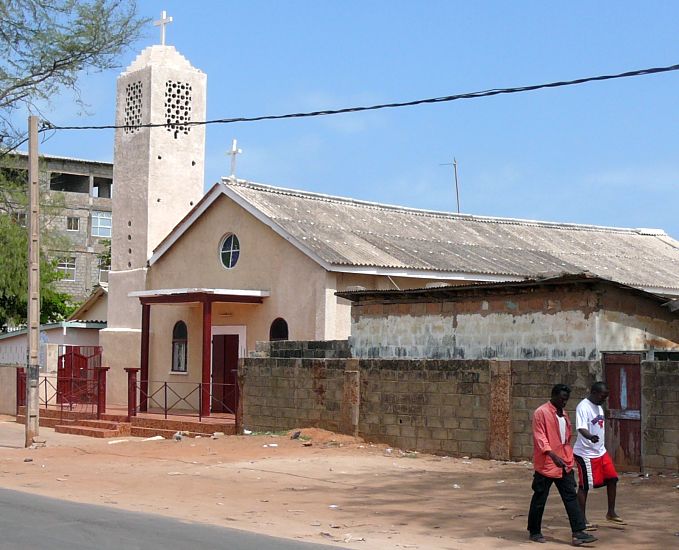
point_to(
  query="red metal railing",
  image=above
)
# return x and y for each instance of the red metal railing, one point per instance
(85, 392)
(179, 398)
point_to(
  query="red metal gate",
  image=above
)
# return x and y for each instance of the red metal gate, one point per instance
(623, 426)
(77, 378)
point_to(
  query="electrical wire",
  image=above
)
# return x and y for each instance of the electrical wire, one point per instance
(443, 99)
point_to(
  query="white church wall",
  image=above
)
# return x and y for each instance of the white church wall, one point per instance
(266, 262)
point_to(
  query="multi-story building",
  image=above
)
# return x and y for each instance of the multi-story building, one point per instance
(81, 191)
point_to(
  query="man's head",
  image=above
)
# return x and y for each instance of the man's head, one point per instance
(560, 395)
(598, 393)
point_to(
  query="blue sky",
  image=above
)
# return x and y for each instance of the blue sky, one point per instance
(601, 153)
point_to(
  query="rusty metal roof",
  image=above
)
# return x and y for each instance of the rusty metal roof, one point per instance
(346, 232)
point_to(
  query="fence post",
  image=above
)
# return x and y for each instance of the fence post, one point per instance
(131, 391)
(200, 402)
(101, 390)
(21, 388)
(165, 406)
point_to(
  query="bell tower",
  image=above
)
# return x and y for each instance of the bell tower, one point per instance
(158, 172)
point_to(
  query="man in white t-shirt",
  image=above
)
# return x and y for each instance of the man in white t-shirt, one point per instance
(595, 466)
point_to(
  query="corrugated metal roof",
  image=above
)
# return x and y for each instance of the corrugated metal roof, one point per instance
(346, 232)
(455, 291)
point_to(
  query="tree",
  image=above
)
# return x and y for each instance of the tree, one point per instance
(46, 44)
(55, 306)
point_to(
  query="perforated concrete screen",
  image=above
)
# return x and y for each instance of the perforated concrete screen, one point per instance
(177, 107)
(133, 101)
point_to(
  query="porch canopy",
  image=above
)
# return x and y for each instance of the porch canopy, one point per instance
(204, 296)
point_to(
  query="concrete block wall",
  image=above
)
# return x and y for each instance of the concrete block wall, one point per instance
(480, 408)
(325, 349)
(660, 415)
(532, 383)
(487, 329)
(433, 406)
(279, 394)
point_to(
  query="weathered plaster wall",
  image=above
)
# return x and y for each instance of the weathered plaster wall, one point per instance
(122, 348)
(566, 335)
(562, 324)
(98, 311)
(620, 331)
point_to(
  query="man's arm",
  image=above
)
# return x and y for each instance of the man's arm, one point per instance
(584, 432)
(541, 439)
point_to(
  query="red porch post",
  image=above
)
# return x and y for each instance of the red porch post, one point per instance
(144, 361)
(207, 353)
(131, 391)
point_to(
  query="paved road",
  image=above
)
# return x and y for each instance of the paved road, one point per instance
(31, 522)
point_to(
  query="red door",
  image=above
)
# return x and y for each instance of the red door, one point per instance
(623, 425)
(224, 373)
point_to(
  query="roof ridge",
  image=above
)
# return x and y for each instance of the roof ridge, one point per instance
(437, 213)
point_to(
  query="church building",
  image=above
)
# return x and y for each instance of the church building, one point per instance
(197, 279)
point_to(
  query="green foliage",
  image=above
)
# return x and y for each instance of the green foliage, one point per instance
(105, 255)
(55, 306)
(46, 44)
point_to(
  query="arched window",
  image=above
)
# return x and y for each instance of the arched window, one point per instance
(179, 346)
(229, 251)
(278, 330)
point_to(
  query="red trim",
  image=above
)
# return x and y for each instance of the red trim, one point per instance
(207, 340)
(201, 297)
(144, 360)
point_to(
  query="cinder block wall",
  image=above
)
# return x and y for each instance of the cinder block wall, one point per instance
(476, 408)
(532, 383)
(660, 415)
(433, 406)
(279, 394)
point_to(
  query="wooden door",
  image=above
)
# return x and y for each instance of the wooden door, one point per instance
(224, 372)
(623, 424)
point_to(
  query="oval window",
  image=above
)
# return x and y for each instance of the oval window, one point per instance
(230, 250)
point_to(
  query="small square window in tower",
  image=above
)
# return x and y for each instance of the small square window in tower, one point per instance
(178, 107)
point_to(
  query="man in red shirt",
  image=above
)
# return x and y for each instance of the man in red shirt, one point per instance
(553, 462)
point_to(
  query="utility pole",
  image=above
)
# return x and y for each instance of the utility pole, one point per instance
(33, 353)
(457, 187)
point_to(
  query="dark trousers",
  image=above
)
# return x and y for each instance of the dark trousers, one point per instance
(568, 491)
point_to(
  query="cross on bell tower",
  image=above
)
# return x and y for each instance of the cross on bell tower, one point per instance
(164, 20)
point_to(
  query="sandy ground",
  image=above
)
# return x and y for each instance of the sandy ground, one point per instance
(338, 490)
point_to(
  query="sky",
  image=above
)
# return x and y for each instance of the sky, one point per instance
(600, 153)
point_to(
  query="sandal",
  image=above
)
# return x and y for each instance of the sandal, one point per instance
(616, 520)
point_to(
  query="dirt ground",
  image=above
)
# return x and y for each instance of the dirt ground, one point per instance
(326, 488)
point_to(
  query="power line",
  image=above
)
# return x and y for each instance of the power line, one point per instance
(443, 99)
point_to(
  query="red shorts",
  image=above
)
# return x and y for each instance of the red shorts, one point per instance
(595, 472)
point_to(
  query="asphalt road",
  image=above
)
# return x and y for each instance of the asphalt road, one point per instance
(31, 522)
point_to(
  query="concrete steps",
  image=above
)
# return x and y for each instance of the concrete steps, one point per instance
(117, 425)
(89, 431)
(45, 421)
